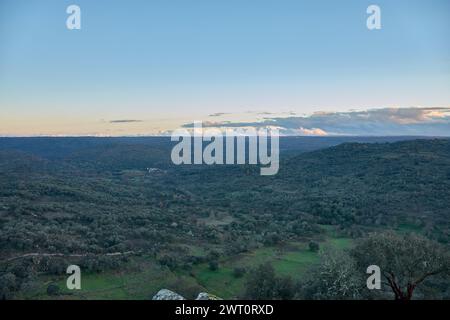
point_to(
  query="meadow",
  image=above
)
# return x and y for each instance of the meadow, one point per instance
(143, 276)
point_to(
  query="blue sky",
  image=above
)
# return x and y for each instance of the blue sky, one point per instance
(170, 62)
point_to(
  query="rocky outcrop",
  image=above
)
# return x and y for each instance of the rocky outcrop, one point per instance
(165, 294)
(207, 296)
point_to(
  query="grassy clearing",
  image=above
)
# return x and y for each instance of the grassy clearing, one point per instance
(292, 260)
(221, 282)
(128, 284)
(144, 276)
(338, 243)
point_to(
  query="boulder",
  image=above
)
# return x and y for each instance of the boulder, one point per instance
(207, 296)
(165, 294)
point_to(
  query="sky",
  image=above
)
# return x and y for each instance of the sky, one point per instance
(310, 67)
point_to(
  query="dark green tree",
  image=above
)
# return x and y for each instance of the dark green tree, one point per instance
(263, 284)
(238, 272)
(53, 289)
(313, 246)
(7, 285)
(213, 265)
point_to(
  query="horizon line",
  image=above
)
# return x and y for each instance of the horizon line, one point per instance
(168, 136)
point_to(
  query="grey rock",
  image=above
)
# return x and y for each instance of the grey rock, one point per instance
(165, 294)
(207, 296)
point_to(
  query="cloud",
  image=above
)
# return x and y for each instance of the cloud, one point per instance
(385, 121)
(265, 113)
(373, 122)
(218, 114)
(124, 121)
(312, 132)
